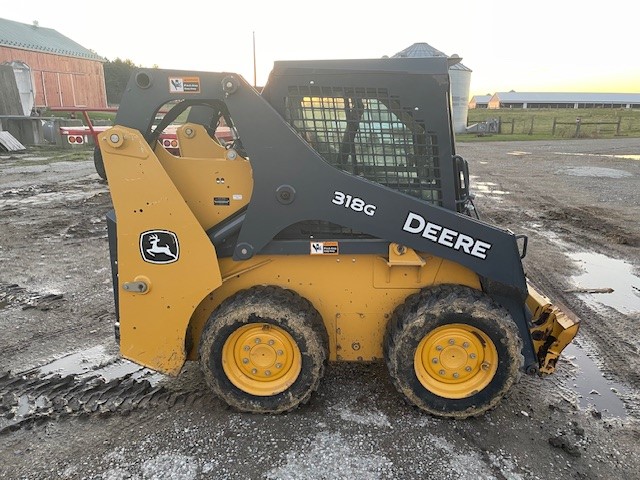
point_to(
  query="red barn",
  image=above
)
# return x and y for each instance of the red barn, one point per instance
(63, 73)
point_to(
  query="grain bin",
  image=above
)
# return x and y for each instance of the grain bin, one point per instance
(460, 81)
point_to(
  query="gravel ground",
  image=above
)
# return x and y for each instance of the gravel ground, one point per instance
(578, 201)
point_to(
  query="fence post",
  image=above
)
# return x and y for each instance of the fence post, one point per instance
(531, 128)
(577, 127)
(513, 123)
(500, 124)
(618, 126)
(553, 129)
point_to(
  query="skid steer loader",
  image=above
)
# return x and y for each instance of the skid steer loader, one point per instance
(337, 224)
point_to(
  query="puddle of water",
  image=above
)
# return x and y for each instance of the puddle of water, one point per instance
(23, 406)
(77, 363)
(97, 362)
(597, 172)
(545, 232)
(623, 156)
(600, 271)
(486, 189)
(122, 368)
(50, 197)
(593, 389)
(117, 370)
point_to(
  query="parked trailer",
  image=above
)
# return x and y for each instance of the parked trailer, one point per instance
(88, 133)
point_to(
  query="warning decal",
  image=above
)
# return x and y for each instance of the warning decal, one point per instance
(324, 248)
(184, 84)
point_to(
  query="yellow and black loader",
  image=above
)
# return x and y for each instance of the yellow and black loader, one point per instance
(337, 224)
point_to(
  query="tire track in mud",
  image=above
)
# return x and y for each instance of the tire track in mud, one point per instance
(587, 221)
(29, 399)
(12, 294)
(39, 395)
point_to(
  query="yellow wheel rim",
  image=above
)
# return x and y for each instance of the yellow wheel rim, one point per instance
(261, 359)
(455, 361)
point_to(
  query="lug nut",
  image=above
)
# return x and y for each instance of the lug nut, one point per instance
(271, 342)
(456, 375)
(280, 352)
(258, 340)
(467, 368)
(278, 365)
(245, 360)
(485, 366)
(439, 348)
(254, 371)
(465, 344)
(267, 372)
(246, 348)
(472, 355)
(434, 360)
(452, 341)
(441, 372)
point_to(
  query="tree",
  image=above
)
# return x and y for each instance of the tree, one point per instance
(116, 76)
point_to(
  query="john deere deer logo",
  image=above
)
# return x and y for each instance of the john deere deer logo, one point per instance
(159, 246)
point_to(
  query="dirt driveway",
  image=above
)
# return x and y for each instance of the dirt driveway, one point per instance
(70, 408)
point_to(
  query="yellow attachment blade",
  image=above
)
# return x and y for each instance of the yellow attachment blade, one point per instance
(552, 329)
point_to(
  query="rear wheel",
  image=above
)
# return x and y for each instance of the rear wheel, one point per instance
(452, 351)
(98, 163)
(264, 350)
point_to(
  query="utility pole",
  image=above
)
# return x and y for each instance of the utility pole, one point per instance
(255, 80)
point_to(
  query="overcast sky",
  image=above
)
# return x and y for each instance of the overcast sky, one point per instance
(560, 45)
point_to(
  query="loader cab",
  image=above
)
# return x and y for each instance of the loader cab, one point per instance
(385, 133)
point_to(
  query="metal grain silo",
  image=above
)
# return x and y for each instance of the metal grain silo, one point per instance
(460, 82)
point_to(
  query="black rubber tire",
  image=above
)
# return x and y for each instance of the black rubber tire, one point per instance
(442, 305)
(99, 163)
(285, 309)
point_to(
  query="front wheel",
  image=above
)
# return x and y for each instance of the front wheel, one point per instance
(452, 351)
(264, 350)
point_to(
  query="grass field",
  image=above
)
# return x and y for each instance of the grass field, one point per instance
(537, 124)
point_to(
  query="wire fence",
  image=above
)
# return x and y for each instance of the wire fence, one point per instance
(545, 124)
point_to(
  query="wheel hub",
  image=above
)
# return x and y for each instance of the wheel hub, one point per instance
(455, 361)
(261, 359)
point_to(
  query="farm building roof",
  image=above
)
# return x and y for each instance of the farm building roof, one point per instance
(481, 98)
(559, 97)
(40, 39)
(424, 50)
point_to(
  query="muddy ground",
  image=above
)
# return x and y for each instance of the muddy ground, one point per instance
(70, 408)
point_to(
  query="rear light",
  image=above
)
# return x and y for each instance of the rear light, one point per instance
(75, 139)
(169, 143)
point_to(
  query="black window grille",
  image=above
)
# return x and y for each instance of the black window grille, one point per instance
(366, 132)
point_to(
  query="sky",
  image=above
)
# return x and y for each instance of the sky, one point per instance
(535, 46)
